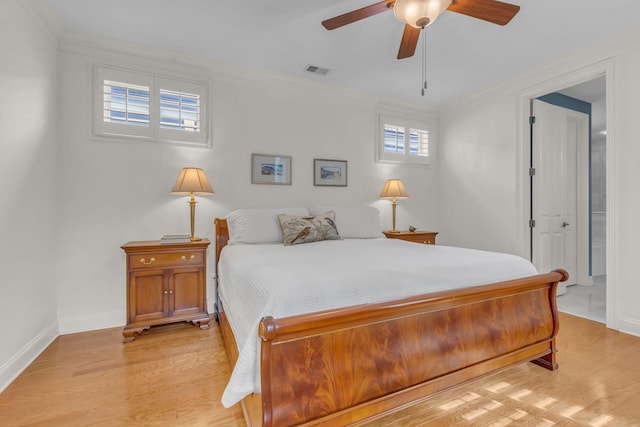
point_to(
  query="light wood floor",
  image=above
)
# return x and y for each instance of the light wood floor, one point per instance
(174, 375)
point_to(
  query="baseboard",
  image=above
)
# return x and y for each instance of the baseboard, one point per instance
(72, 325)
(629, 326)
(10, 370)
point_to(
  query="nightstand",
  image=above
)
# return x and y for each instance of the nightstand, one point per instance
(165, 284)
(424, 237)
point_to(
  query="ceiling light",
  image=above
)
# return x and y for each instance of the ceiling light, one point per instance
(419, 13)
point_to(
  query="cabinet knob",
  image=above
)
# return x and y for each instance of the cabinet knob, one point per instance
(166, 292)
(151, 261)
(191, 258)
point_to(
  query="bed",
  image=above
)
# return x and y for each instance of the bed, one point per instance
(341, 366)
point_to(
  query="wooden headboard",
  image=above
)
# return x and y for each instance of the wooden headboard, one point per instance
(222, 236)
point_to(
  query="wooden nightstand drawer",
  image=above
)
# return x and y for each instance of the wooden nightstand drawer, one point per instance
(423, 237)
(184, 258)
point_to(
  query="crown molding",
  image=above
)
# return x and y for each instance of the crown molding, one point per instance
(45, 19)
(129, 54)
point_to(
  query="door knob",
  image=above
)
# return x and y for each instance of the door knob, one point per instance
(565, 224)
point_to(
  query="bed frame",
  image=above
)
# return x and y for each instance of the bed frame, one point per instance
(348, 365)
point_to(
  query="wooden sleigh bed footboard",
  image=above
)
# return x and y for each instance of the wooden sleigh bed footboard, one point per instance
(358, 363)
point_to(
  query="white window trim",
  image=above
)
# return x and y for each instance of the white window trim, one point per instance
(102, 130)
(408, 121)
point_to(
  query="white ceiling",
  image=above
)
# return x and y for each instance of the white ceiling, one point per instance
(465, 55)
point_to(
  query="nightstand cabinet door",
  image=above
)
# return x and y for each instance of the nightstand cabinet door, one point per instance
(147, 298)
(165, 283)
(188, 298)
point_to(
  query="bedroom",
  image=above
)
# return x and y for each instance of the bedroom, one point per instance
(77, 200)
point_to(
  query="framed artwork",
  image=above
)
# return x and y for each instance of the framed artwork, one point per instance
(329, 173)
(270, 169)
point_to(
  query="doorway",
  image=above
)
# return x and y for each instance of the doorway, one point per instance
(586, 297)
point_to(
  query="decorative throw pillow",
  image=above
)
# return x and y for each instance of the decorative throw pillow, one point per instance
(307, 229)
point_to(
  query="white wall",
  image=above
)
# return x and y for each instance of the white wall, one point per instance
(28, 203)
(481, 168)
(476, 169)
(113, 192)
(623, 204)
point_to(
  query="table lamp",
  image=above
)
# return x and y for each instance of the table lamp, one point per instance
(192, 181)
(393, 189)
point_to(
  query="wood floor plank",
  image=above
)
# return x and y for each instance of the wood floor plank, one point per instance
(170, 376)
(174, 375)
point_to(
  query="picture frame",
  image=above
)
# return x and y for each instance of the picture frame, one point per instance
(270, 169)
(329, 173)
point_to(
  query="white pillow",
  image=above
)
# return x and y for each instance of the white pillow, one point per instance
(259, 225)
(354, 222)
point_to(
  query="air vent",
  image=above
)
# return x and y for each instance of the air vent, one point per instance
(317, 70)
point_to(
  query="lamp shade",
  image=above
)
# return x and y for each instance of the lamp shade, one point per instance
(192, 180)
(419, 13)
(394, 189)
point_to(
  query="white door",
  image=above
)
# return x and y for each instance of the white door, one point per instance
(558, 138)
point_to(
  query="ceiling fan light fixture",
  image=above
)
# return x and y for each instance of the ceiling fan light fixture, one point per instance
(419, 13)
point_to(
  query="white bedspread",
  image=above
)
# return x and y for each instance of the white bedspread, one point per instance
(277, 280)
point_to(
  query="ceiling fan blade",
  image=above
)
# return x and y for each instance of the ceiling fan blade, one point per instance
(493, 11)
(409, 42)
(356, 15)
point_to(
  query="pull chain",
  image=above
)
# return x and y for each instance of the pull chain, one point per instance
(424, 61)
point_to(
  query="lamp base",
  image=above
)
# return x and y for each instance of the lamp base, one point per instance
(392, 231)
(195, 239)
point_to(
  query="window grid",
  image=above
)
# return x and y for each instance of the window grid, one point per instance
(418, 142)
(126, 103)
(180, 111)
(393, 139)
(139, 105)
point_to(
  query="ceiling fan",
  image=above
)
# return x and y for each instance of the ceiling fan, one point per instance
(417, 14)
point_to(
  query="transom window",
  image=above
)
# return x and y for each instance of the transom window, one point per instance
(137, 105)
(403, 140)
